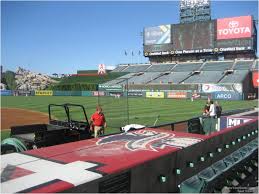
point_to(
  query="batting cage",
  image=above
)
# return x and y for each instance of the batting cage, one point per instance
(115, 103)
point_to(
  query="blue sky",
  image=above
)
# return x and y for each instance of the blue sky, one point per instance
(63, 37)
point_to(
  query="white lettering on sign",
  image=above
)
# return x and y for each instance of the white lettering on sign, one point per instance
(230, 31)
(225, 96)
(233, 122)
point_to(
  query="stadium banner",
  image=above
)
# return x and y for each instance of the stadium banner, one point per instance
(234, 28)
(23, 93)
(255, 79)
(98, 93)
(135, 94)
(155, 94)
(227, 96)
(209, 88)
(115, 94)
(43, 93)
(6, 92)
(226, 122)
(157, 35)
(177, 94)
(110, 87)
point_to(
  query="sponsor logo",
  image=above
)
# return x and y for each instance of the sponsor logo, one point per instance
(177, 95)
(223, 96)
(149, 140)
(233, 24)
(98, 93)
(101, 69)
(213, 88)
(231, 122)
(155, 94)
(237, 27)
(43, 93)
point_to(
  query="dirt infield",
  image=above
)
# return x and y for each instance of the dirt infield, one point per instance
(13, 116)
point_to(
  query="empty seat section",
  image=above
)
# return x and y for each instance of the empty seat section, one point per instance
(174, 77)
(120, 80)
(143, 78)
(136, 68)
(217, 66)
(243, 65)
(205, 77)
(119, 68)
(236, 77)
(183, 67)
(160, 68)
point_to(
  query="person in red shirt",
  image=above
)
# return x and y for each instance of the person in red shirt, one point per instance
(98, 121)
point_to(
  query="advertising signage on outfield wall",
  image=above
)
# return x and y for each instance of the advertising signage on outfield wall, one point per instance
(157, 35)
(226, 96)
(43, 93)
(234, 28)
(155, 94)
(178, 95)
(209, 88)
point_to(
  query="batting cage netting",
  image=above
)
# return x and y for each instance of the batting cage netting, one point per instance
(114, 101)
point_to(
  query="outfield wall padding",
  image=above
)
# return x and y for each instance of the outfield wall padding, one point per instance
(6, 92)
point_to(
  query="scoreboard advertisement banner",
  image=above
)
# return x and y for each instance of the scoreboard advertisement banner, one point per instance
(256, 79)
(233, 28)
(157, 35)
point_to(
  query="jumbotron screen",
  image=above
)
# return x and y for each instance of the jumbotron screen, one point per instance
(198, 35)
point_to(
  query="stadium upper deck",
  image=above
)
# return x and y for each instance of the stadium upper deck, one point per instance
(231, 71)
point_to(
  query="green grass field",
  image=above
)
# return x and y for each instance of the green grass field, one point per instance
(141, 110)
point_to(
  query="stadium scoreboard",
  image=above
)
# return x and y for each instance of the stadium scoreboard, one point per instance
(214, 36)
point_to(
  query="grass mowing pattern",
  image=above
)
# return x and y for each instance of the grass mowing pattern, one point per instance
(141, 110)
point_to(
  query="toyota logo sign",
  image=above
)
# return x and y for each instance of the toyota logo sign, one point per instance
(233, 24)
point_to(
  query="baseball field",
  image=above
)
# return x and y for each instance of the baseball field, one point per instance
(19, 110)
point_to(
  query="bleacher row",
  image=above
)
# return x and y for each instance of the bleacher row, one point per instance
(190, 72)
